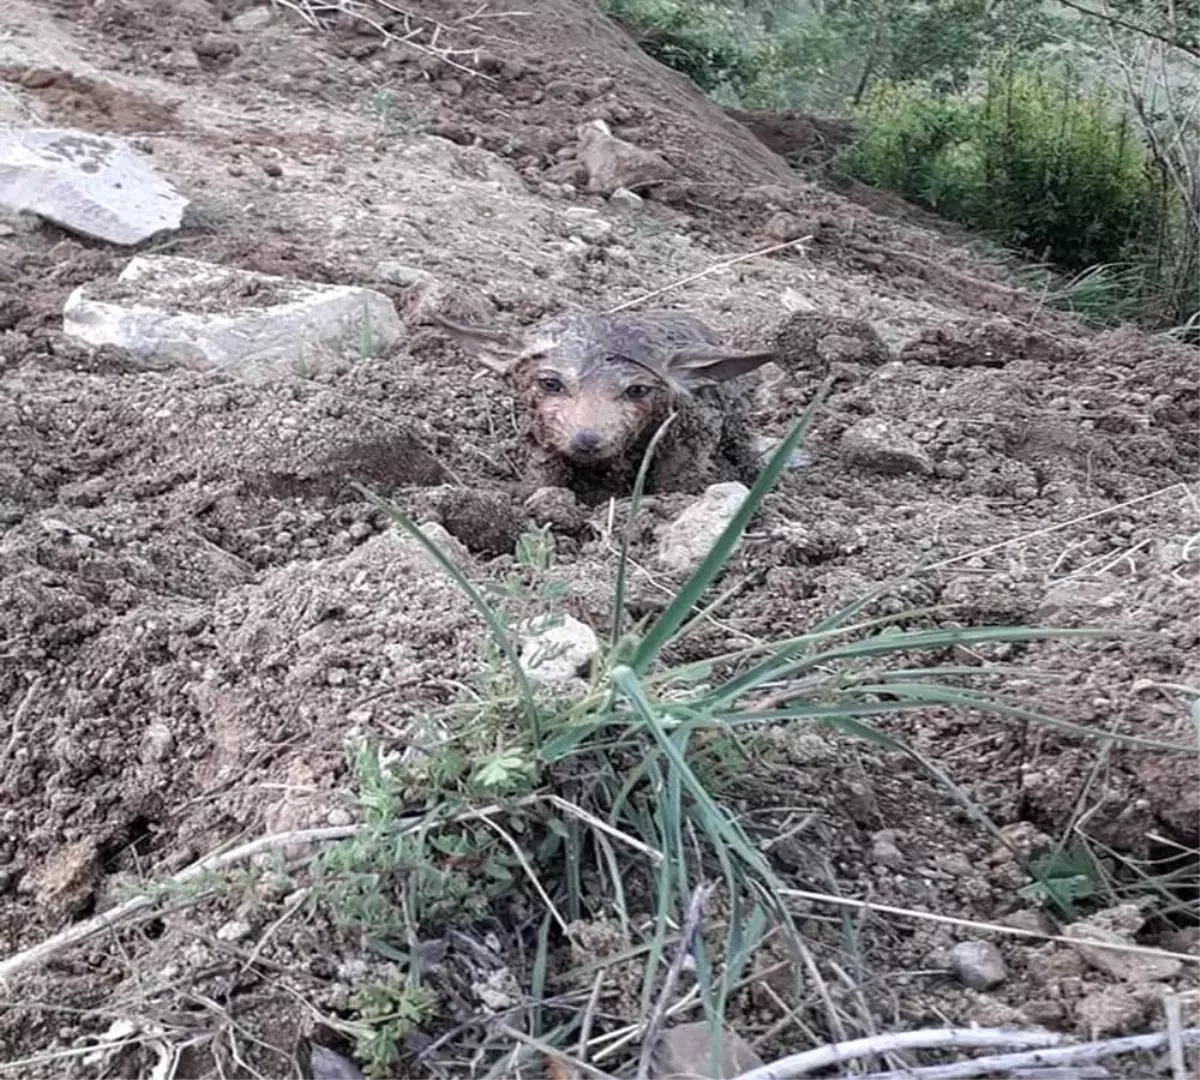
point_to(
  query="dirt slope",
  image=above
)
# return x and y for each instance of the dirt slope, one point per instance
(195, 613)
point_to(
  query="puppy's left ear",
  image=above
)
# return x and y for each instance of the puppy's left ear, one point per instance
(695, 367)
(495, 349)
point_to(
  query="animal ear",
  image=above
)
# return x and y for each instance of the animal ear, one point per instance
(692, 368)
(497, 350)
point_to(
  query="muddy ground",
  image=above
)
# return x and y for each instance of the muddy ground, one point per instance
(196, 612)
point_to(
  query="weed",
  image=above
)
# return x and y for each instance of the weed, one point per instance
(605, 803)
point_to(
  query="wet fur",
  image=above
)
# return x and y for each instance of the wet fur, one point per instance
(708, 441)
(596, 356)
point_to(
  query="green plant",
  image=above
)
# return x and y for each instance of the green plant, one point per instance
(384, 1016)
(602, 804)
(1032, 159)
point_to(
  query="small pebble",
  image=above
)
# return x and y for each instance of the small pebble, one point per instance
(978, 964)
(234, 930)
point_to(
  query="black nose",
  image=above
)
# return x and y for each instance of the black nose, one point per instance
(586, 440)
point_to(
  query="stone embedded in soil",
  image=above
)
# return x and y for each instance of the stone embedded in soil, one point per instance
(877, 445)
(763, 447)
(682, 1053)
(234, 930)
(624, 199)
(557, 507)
(587, 224)
(326, 1064)
(613, 163)
(1129, 967)
(1078, 600)
(1115, 1010)
(978, 965)
(256, 18)
(167, 311)
(557, 650)
(885, 852)
(89, 184)
(684, 543)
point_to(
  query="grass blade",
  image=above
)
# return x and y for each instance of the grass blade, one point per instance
(635, 505)
(670, 620)
(494, 623)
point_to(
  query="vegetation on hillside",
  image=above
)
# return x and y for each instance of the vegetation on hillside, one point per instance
(1067, 132)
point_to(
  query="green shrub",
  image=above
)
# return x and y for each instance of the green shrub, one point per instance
(1034, 160)
(706, 42)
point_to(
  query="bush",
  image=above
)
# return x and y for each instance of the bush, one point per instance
(1035, 161)
(703, 41)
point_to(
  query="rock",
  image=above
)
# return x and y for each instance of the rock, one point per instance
(624, 199)
(453, 548)
(783, 227)
(398, 273)
(1115, 1010)
(234, 930)
(612, 163)
(89, 184)
(876, 445)
(1079, 601)
(167, 311)
(326, 1064)
(682, 1053)
(684, 543)
(557, 649)
(1129, 967)
(557, 507)
(978, 964)
(157, 743)
(255, 19)
(587, 224)
(458, 303)
(763, 447)
(885, 852)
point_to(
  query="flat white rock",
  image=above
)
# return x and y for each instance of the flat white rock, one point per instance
(168, 312)
(684, 543)
(89, 184)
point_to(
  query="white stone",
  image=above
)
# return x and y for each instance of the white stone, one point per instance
(89, 184)
(624, 199)
(878, 445)
(559, 649)
(1130, 967)
(234, 930)
(685, 542)
(255, 19)
(185, 313)
(978, 964)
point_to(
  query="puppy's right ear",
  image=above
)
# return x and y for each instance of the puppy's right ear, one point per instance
(496, 350)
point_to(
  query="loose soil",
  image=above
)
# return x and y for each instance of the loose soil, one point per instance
(197, 612)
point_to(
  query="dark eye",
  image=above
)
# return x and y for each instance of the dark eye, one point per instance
(550, 384)
(638, 391)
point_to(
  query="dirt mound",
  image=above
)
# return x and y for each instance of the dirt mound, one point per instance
(796, 137)
(77, 101)
(198, 611)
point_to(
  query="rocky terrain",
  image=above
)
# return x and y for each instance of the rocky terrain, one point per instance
(197, 611)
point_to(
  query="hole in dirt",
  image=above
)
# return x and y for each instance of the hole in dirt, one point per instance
(131, 845)
(1174, 866)
(154, 929)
